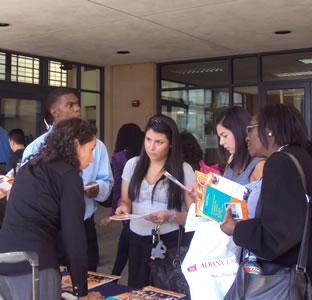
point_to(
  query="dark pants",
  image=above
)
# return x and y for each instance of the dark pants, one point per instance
(122, 250)
(93, 248)
(140, 248)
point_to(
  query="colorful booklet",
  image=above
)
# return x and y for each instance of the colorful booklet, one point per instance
(94, 279)
(5, 183)
(215, 193)
(150, 292)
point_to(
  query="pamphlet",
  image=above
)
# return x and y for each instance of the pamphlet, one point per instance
(94, 279)
(215, 193)
(176, 181)
(128, 217)
(5, 183)
(89, 187)
(150, 292)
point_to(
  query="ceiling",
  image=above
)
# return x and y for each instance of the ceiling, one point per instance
(91, 31)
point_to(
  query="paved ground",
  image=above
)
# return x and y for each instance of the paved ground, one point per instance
(108, 237)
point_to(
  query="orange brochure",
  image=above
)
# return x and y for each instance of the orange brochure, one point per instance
(215, 193)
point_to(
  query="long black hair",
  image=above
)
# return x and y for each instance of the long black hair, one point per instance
(60, 143)
(235, 119)
(174, 164)
(129, 139)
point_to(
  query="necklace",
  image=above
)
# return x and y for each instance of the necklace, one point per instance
(281, 148)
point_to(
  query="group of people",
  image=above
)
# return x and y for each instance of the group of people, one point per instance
(49, 212)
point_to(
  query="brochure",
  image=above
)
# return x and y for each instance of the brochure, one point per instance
(176, 181)
(89, 187)
(215, 193)
(150, 292)
(5, 183)
(94, 279)
(128, 217)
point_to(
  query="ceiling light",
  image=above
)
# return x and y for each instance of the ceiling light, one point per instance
(4, 24)
(197, 71)
(123, 52)
(305, 61)
(282, 32)
(306, 73)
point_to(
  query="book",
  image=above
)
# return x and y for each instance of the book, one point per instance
(215, 193)
(150, 292)
(94, 279)
(128, 217)
(5, 183)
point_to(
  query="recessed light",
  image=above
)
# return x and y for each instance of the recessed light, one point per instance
(282, 32)
(4, 24)
(305, 61)
(292, 74)
(123, 52)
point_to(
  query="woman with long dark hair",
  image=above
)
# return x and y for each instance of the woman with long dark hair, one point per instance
(146, 191)
(48, 196)
(233, 150)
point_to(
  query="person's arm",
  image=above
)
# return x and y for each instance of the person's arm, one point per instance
(72, 208)
(282, 211)
(99, 172)
(125, 205)
(257, 172)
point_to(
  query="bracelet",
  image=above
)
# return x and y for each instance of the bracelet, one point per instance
(172, 216)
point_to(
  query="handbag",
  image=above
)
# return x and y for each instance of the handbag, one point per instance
(283, 283)
(166, 273)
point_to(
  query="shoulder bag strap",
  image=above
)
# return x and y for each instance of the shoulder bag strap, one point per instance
(304, 247)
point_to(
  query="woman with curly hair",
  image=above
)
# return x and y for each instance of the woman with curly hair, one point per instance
(47, 196)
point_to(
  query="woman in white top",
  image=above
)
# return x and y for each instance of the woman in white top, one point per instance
(145, 190)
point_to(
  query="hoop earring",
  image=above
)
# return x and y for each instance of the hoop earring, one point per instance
(269, 133)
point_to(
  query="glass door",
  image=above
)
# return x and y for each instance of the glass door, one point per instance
(297, 95)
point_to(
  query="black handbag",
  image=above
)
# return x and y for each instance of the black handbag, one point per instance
(282, 283)
(166, 273)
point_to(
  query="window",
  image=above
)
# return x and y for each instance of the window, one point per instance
(57, 74)
(24, 69)
(2, 65)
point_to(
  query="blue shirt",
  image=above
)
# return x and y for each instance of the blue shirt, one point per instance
(5, 149)
(99, 171)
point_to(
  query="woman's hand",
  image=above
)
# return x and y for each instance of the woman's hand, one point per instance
(228, 226)
(92, 296)
(105, 221)
(123, 209)
(3, 194)
(159, 217)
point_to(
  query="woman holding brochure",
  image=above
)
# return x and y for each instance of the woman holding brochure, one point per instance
(47, 195)
(274, 235)
(146, 191)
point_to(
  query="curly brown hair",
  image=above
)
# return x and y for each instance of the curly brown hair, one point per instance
(60, 143)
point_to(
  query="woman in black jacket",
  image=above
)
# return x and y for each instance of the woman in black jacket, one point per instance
(48, 196)
(275, 233)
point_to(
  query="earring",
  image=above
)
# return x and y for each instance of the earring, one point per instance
(270, 134)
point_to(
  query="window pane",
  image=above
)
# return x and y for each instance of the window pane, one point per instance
(196, 74)
(246, 97)
(245, 70)
(90, 109)
(294, 97)
(20, 113)
(287, 66)
(24, 67)
(196, 112)
(90, 78)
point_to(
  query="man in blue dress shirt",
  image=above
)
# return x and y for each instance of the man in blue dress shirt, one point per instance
(63, 104)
